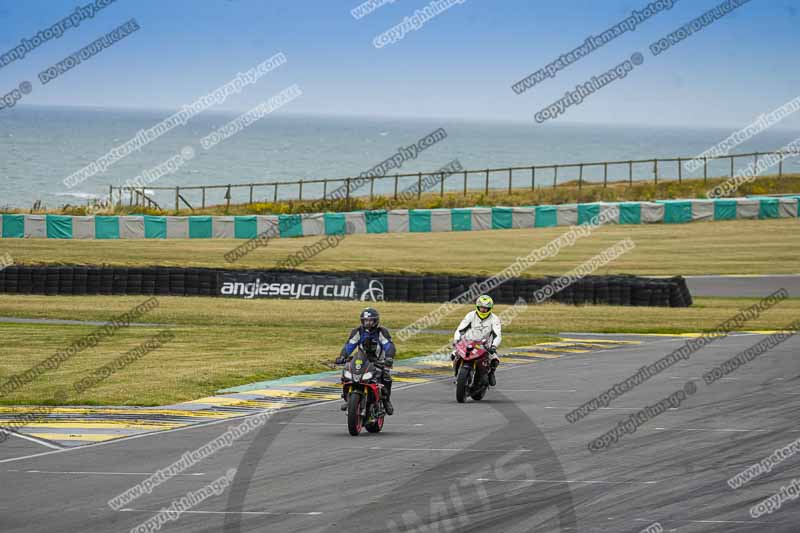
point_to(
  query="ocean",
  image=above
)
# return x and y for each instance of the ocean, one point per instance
(40, 146)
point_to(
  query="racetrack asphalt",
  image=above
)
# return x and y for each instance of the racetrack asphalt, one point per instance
(743, 286)
(509, 463)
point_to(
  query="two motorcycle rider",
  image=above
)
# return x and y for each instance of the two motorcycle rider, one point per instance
(375, 341)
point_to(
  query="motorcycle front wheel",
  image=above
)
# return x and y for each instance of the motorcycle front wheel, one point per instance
(462, 384)
(354, 413)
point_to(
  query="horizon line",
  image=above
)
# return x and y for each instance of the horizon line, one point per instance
(411, 118)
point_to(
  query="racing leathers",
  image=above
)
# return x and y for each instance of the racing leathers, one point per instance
(377, 346)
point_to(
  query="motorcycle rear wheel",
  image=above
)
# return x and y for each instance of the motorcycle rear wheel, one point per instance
(479, 394)
(376, 426)
(461, 384)
(354, 413)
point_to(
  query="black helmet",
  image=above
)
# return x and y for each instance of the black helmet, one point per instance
(370, 318)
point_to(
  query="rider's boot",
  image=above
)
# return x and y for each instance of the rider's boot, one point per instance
(343, 407)
(492, 379)
(387, 404)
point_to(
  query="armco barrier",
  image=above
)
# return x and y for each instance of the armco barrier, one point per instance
(394, 221)
(174, 281)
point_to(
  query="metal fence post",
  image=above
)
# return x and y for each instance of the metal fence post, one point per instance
(680, 171)
(580, 176)
(347, 183)
(441, 185)
(251, 193)
(204, 196)
(755, 163)
(555, 175)
(655, 169)
(300, 192)
(465, 183)
(731, 166)
(275, 193)
(486, 187)
(630, 173)
(396, 176)
(533, 178)
(419, 186)
(371, 187)
(705, 169)
(605, 175)
(780, 164)
(177, 195)
(510, 179)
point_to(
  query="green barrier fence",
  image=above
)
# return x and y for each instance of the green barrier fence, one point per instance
(377, 221)
(461, 219)
(502, 218)
(59, 227)
(546, 216)
(245, 227)
(335, 224)
(419, 220)
(200, 227)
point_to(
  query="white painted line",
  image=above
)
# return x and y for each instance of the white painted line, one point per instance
(708, 521)
(609, 408)
(312, 513)
(34, 439)
(98, 473)
(443, 449)
(332, 424)
(718, 276)
(694, 377)
(707, 429)
(587, 481)
(537, 390)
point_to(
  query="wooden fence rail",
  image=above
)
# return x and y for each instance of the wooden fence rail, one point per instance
(137, 196)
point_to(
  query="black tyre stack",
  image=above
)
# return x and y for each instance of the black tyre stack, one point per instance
(173, 281)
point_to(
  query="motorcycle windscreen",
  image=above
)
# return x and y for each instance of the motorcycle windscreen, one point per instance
(360, 366)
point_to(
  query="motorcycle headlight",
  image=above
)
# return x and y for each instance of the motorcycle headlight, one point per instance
(348, 375)
(367, 375)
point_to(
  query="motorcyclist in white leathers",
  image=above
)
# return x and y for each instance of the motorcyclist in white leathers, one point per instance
(481, 324)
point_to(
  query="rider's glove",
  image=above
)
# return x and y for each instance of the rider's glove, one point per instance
(388, 362)
(339, 360)
(492, 350)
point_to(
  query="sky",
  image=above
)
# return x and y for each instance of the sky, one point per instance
(458, 65)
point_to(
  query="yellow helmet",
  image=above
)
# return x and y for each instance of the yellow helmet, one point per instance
(483, 306)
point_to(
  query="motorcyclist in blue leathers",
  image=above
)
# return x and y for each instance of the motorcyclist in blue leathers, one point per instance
(376, 342)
